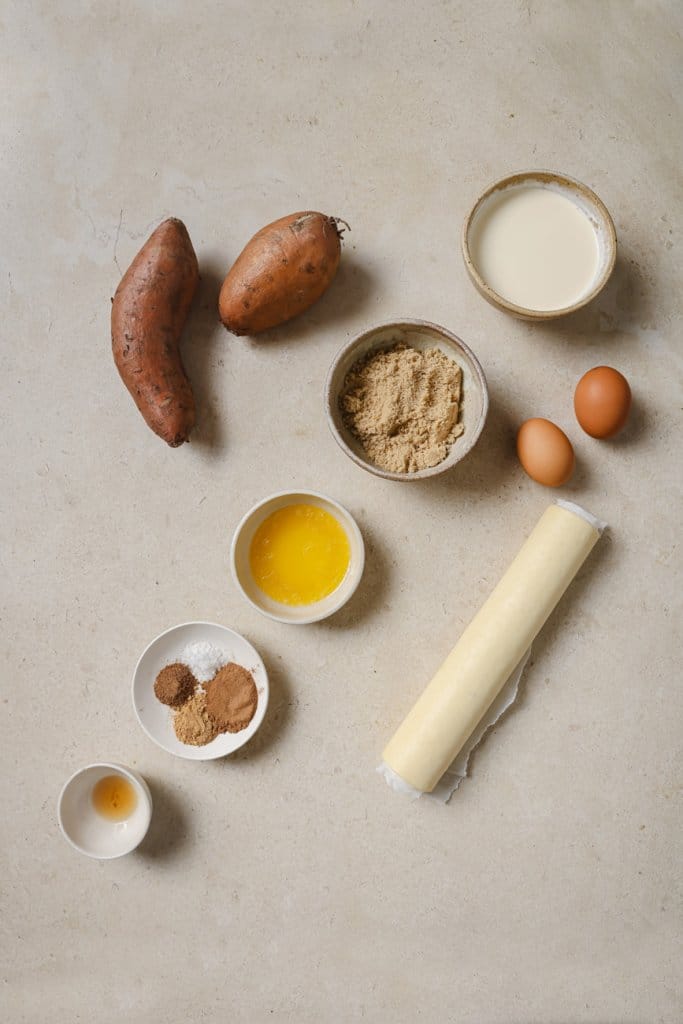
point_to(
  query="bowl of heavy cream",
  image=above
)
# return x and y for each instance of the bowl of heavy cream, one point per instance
(539, 245)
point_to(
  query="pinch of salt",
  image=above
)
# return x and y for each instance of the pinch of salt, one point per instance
(203, 659)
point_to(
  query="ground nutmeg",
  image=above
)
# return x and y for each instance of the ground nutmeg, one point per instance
(174, 685)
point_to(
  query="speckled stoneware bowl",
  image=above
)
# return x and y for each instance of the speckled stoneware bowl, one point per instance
(419, 334)
(578, 193)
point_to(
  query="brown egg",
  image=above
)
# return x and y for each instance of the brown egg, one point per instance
(545, 452)
(602, 401)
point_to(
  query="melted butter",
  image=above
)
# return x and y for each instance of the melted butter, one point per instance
(114, 798)
(299, 554)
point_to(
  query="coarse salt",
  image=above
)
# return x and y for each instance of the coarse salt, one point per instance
(203, 659)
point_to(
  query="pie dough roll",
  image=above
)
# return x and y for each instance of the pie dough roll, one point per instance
(475, 671)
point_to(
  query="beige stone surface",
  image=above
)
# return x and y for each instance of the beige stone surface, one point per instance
(288, 883)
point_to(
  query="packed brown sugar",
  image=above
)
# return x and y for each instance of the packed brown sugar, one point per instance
(403, 406)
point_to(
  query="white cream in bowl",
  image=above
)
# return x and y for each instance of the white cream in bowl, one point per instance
(539, 245)
(536, 248)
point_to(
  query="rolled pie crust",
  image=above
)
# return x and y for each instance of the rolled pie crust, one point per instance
(474, 673)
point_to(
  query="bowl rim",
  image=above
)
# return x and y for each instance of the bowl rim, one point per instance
(448, 462)
(358, 572)
(207, 757)
(543, 176)
(134, 777)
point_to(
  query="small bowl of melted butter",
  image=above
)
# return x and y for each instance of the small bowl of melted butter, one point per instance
(104, 810)
(297, 556)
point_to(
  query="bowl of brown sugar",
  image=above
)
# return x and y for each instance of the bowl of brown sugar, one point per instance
(406, 400)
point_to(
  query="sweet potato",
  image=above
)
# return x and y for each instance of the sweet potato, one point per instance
(148, 313)
(281, 272)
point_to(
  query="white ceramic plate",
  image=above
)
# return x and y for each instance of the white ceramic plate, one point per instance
(157, 720)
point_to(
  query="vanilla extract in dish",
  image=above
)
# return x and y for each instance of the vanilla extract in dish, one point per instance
(114, 798)
(535, 248)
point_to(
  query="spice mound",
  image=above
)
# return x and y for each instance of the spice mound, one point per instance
(231, 698)
(402, 405)
(174, 685)
(205, 705)
(203, 658)
(192, 722)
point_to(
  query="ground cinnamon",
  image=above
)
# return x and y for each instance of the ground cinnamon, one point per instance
(231, 698)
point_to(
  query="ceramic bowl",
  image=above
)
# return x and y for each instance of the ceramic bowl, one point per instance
(295, 614)
(578, 193)
(156, 718)
(90, 833)
(419, 334)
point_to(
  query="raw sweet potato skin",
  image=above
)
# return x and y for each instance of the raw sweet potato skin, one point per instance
(148, 313)
(285, 267)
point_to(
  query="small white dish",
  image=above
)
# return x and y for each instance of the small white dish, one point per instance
(156, 719)
(295, 614)
(87, 830)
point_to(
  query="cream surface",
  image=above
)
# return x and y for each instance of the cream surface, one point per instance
(535, 248)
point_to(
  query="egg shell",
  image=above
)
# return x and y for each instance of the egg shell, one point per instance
(602, 401)
(545, 452)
